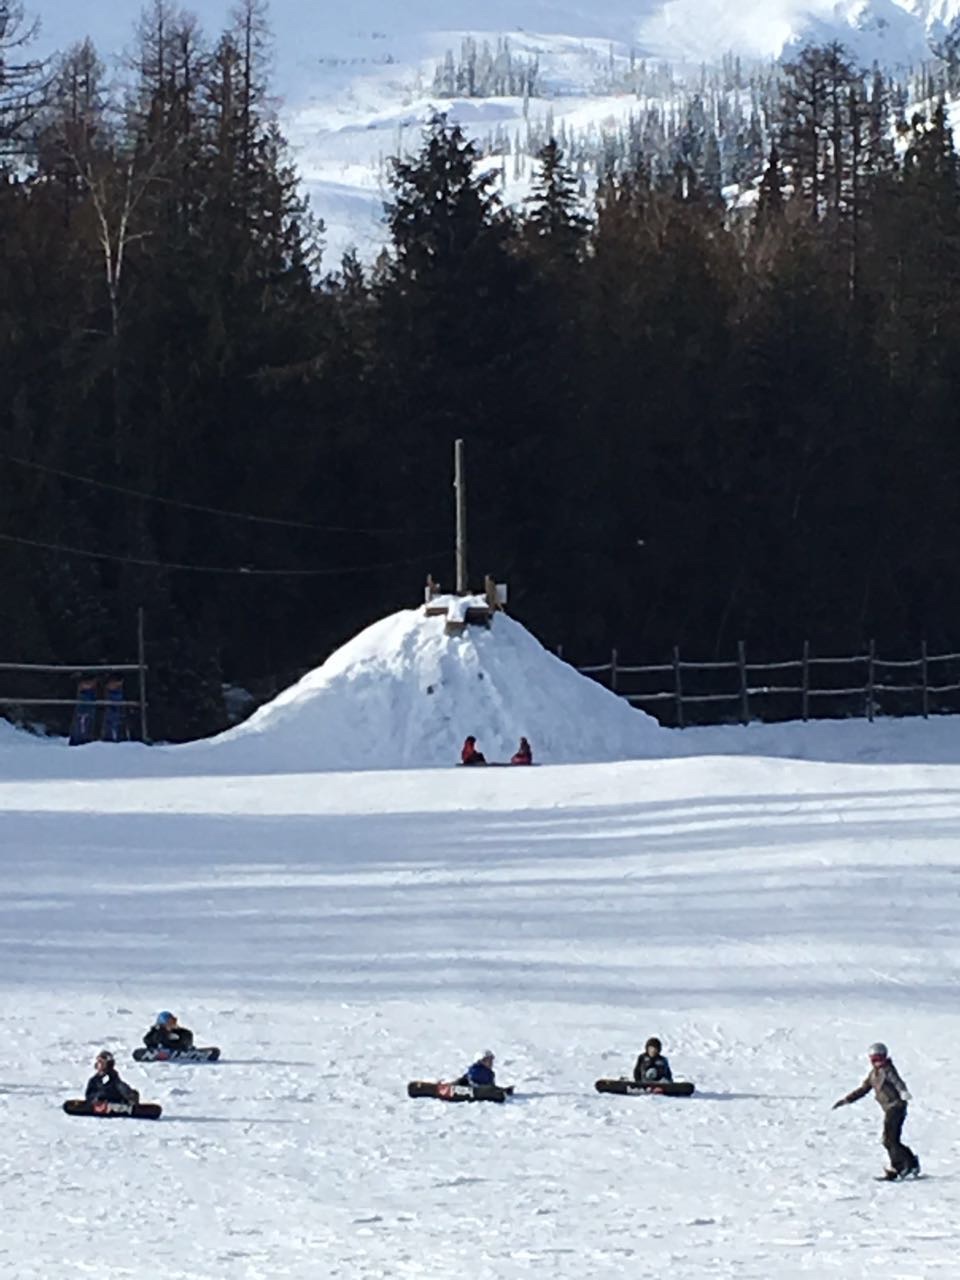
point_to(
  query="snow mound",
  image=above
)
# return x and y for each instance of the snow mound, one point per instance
(404, 694)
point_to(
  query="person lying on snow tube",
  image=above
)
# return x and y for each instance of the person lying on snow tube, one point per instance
(652, 1067)
(106, 1085)
(470, 754)
(167, 1033)
(523, 753)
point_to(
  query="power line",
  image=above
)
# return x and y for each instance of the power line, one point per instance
(192, 506)
(203, 568)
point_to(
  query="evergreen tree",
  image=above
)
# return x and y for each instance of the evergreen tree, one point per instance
(555, 219)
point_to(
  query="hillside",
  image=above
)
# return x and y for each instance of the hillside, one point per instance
(355, 86)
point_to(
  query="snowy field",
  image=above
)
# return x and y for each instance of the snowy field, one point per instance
(338, 935)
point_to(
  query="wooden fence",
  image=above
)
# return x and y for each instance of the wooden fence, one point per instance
(798, 688)
(77, 670)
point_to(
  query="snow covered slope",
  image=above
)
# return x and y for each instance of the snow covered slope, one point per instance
(366, 89)
(338, 935)
(403, 694)
(356, 82)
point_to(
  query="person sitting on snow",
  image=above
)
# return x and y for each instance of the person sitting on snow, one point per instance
(481, 1072)
(523, 753)
(470, 754)
(652, 1067)
(106, 1085)
(166, 1033)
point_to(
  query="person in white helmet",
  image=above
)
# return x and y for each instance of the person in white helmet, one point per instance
(893, 1096)
(481, 1072)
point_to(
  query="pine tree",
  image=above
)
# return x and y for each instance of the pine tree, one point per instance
(555, 220)
(770, 204)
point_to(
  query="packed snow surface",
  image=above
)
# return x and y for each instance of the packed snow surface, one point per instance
(404, 694)
(338, 934)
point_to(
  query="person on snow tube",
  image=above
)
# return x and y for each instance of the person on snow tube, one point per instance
(470, 754)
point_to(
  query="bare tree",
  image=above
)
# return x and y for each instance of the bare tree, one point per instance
(23, 80)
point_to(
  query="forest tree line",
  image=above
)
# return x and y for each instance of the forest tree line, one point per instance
(684, 423)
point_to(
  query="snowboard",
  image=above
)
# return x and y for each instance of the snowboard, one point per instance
(209, 1054)
(107, 1110)
(668, 1088)
(449, 1092)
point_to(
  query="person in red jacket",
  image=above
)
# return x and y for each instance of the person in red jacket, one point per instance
(523, 753)
(470, 754)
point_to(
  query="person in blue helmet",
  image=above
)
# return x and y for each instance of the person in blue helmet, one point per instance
(167, 1033)
(481, 1072)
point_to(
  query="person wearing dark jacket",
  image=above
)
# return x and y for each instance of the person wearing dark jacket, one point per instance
(481, 1072)
(892, 1095)
(106, 1085)
(167, 1033)
(523, 753)
(470, 754)
(652, 1067)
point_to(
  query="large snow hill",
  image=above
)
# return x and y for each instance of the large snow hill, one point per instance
(404, 694)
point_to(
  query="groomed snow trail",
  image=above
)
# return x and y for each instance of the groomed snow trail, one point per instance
(339, 935)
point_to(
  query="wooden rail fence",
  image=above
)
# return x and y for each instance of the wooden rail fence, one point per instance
(863, 684)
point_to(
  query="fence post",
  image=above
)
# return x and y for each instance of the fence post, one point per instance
(744, 691)
(677, 685)
(613, 671)
(142, 663)
(926, 680)
(870, 679)
(806, 680)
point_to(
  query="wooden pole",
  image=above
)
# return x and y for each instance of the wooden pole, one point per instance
(677, 685)
(744, 693)
(871, 678)
(806, 680)
(142, 663)
(613, 671)
(460, 484)
(926, 680)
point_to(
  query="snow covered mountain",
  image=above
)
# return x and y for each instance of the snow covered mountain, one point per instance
(358, 81)
(365, 92)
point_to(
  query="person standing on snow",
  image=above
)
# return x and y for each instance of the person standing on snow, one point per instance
(892, 1095)
(523, 753)
(167, 1033)
(470, 754)
(652, 1067)
(106, 1085)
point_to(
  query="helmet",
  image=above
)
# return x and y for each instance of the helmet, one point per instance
(487, 1054)
(106, 1057)
(877, 1050)
(164, 1018)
